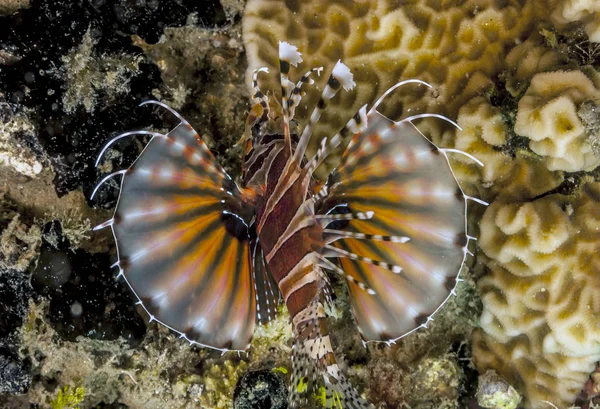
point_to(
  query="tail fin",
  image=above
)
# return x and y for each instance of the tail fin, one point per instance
(314, 362)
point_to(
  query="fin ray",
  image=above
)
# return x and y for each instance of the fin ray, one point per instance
(396, 173)
(181, 227)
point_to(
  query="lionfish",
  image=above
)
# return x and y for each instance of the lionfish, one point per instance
(210, 259)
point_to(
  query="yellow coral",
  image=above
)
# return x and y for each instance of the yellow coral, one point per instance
(455, 45)
(547, 115)
(540, 326)
(483, 134)
(527, 59)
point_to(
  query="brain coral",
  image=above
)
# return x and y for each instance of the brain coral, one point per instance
(483, 132)
(548, 116)
(529, 58)
(455, 45)
(540, 327)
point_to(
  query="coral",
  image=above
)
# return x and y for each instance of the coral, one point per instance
(41, 202)
(68, 398)
(589, 113)
(436, 380)
(270, 342)
(432, 382)
(483, 135)
(162, 369)
(159, 371)
(548, 116)
(493, 392)
(527, 59)
(219, 382)
(540, 329)
(456, 46)
(586, 11)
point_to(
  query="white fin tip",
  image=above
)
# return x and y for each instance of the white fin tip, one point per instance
(102, 226)
(121, 172)
(473, 158)
(438, 116)
(342, 73)
(289, 53)
(477, 200)
(123, 135)
(165, 106)
(391, 89)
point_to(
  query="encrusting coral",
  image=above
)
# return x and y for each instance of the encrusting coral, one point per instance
(540, 326)
(89, 76)
(527, 59)
(13, 152)
(493, 392)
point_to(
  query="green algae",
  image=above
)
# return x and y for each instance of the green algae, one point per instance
(68, 398)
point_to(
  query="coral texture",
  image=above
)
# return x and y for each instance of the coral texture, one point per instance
(528, 110)
(88, 76)
(540, 320)
(527, 59)
(456, 46)
(548, 116)
(483, 135)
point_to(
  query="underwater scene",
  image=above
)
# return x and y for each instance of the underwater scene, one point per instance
(271, 204)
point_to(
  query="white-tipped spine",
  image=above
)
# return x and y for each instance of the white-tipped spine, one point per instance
(289, 53)
(342, 73)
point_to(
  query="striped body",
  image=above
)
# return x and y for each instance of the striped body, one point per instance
(287, 246)
(210, 259)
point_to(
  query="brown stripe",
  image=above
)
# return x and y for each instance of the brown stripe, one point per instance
(283, 211)
(299, 299)
(301, 275)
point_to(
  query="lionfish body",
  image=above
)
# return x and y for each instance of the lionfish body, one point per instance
(210, 259)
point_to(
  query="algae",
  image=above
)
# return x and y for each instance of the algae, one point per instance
(89, 75)
(68, 398)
